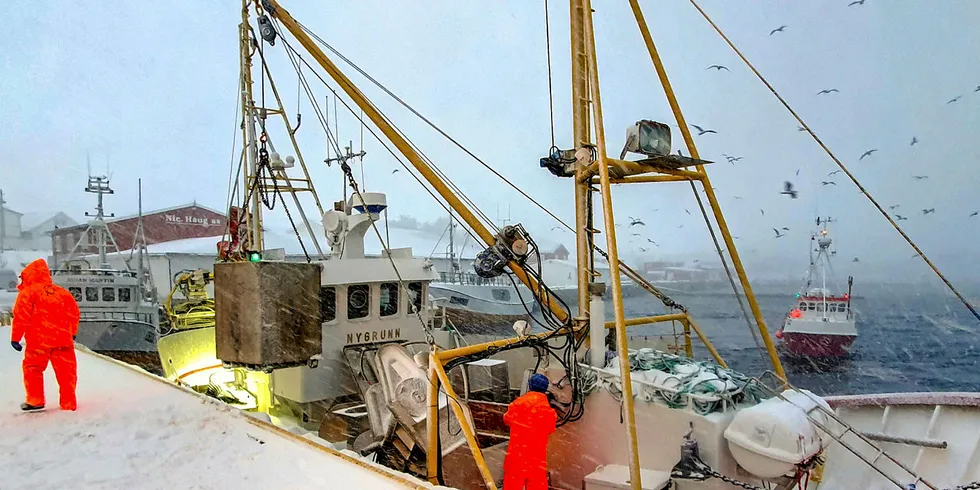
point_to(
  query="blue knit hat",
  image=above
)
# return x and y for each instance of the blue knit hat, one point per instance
(539, 383)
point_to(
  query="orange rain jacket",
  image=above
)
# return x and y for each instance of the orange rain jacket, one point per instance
(531, 420)
(46, 316)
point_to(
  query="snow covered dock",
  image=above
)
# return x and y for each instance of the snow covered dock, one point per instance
(133, 430)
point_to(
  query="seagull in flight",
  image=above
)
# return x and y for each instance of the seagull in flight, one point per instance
(855, 260)
(738, 198)
(785, 228)
(653, 242)
(553, 228)
(928, 211)
(788, 189)
(893, 207)
(900, 217)
(686, 211)
(856, 2)
(800, 129)
(395, 171)
(974, 213)
(828, 91)
(778, 234)
(634, 234)
(831, 174)
(643, 249)
(867, 153)
(779, 29)
(718, 67)
(977, 89)
(914, 141)
(828, 182)
(636, 221)
(954, 99)
(920, 177)
(763, 211)
(702, 131)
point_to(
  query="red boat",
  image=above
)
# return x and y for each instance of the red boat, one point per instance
(821, 324)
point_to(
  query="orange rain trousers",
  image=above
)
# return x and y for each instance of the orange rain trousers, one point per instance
(531, 420)
(46, 317)
(65, 370)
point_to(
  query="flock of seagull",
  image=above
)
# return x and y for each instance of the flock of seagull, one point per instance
(788, 187)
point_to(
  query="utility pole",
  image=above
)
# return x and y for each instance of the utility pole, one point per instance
(3, 225)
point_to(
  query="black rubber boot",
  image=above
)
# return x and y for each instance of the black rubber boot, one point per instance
(30, 408)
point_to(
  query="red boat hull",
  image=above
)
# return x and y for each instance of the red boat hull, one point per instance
(818, 345)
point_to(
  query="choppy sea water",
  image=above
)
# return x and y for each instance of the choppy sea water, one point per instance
(908, 340)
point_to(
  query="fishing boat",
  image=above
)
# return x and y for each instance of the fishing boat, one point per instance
(342, 347)
(119, 314)
(476, 304)
(821, 324)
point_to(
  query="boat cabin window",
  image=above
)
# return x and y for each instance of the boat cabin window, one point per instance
(358, 301)
(389, 298)
(108, 294)
(91, 294)
(415, 296)
(328, 304)
(819, 306)
(76, 293)
(501, 295)
(125, 295)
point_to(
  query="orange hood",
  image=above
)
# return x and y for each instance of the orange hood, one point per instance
(36, 272)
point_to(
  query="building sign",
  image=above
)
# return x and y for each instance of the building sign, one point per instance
(191, 220)
(374, 335)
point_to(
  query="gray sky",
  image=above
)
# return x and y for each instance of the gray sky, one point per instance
(151, 88)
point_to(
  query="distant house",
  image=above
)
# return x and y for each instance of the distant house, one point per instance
(29, 231)
(35, 229)
(559, 253)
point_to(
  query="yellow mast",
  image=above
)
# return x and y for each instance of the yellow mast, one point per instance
(708, 190)
(622, 343)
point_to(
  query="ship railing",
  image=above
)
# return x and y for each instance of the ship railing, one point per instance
(469, 278)
(92, 272)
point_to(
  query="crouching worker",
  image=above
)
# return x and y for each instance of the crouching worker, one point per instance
(531, 420)
(46, 317)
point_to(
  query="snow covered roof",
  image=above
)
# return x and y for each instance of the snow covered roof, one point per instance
(30, 221)
(422, 243)
(18, 259)
(194, 204)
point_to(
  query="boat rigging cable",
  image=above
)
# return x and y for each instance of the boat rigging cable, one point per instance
(551, 93)
(728, 272)
(837, 161)
(486, 219)
(629, 271)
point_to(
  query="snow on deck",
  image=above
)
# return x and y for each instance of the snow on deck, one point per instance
(135, 431)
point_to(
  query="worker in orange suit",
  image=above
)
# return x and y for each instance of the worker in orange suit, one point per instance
(46, 317)
(531, 420)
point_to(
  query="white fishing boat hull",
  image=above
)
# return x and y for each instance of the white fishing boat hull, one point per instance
(922, 418)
